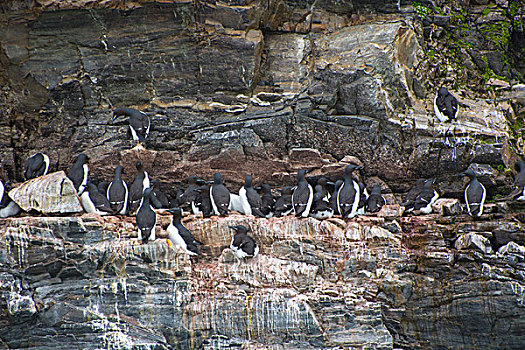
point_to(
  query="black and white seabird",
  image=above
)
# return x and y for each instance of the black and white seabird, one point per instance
(321, 207)
(118, 192)
(242, 245)
(412, 194)
(321, 187)
(474, 194)
(426, 197)
(219, 196)
(158, 198)
(445, 105)
(303, 195)
(518, 190)
(79, 172)
(203, 201)
(139, 122)
(36, 165)
(146, 218)
(250, 200)
(349, 193)
(375, 201)
(140, 183)
(8, 207)
(267, 200)
(333, 198)
(180, 235)
(283, 205)
(186, 200)
(363, 198)
(95, 202)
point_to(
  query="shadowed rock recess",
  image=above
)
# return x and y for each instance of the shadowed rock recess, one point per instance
(261, 87)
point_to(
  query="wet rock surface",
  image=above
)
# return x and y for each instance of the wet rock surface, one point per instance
(86, 281)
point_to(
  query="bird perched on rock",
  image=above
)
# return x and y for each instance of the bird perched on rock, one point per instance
(283, 205)
(139, 122)
(321, 187)
(320, 207)
(267, 200)
(242, 245)
(303, 195)
(140, 183)
(219, 196)
(36, 165)
(95, 202)
(426, 197)
(412, 194)
(518, 190)
(363, 198)
(333, 198)
(349, 195)
(180, 235)
(445, 105)
(79, 172)
(375, 201)
(186, 199)
(203, 202)
(146, 218)
(118, 192)
(474, 194)
(8, 207)
(250, 200)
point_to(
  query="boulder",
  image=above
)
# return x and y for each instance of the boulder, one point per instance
(50, 194)
(473, 241)
(447, 206)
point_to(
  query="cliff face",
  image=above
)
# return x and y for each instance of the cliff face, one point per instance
(265, 87)
(373, 283)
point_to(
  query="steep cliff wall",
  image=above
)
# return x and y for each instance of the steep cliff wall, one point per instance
(265, 87)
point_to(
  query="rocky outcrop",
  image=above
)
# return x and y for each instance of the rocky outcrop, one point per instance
(49, 194)
(369, 283)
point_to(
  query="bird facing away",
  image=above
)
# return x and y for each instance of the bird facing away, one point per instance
(445, 105)
(36, 165)
(203, 201)
(363, 198)
(474, 194)
(242, 245)
(303, 195)
(250, 200)
(412, 194)
(333, 197)
(79, 172)
(267, 200)
(140, 183)
(118, 192)
(283, 205)
(375, 201)
(349, 194)
(186, 200)
(146, 218)
(219, 196)
(139, 122)
(518, 190)
(180, 235)
(426, 197)
(95, 202)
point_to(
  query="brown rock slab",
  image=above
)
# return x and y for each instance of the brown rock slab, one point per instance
(50, 194)
(473, 241)
(391, 211)
(447, 206)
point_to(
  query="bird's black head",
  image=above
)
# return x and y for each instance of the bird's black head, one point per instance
(147, 192)
(119, 170)
(82, 158)
(240, 229)
(351, 167)
(443, 91)
(248, 181)
(469, 172)
(139, 166)
(217, 178)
